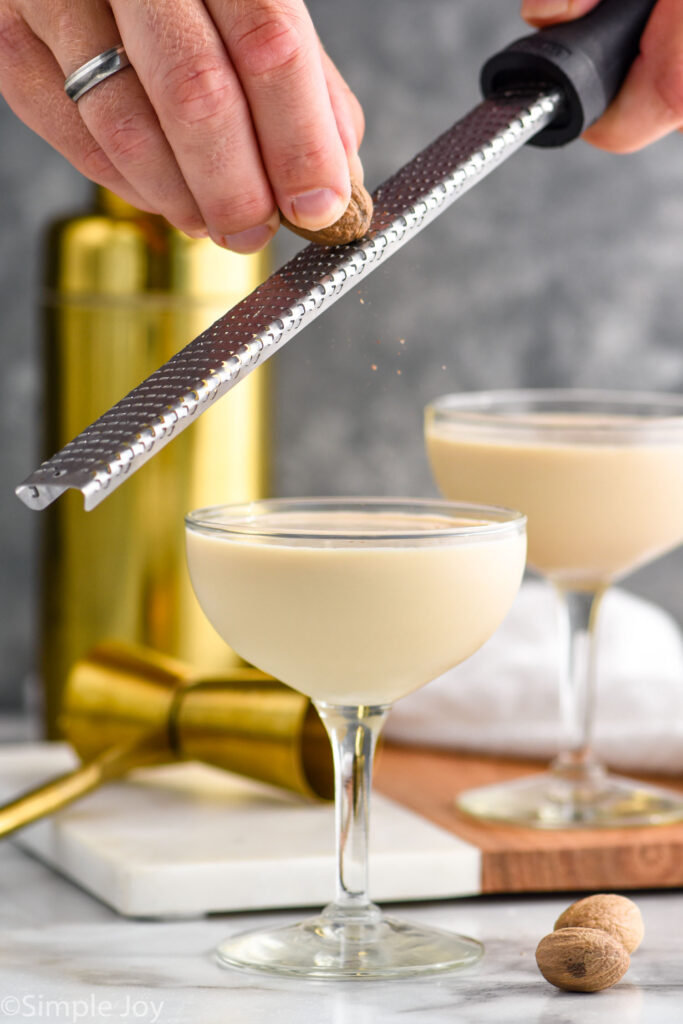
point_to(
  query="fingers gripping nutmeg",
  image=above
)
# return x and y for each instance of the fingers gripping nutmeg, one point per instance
(589, 948)
(351, 226)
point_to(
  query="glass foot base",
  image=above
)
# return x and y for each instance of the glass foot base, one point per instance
(339, 947)
(560, 800)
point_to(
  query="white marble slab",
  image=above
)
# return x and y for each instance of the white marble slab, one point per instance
(186, 840)
(67, 958)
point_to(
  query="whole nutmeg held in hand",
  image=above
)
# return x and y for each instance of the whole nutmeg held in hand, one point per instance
(589, 949)
(351, 226)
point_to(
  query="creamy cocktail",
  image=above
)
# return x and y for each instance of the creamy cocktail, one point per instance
(356, 603)
(358, 623)
(586, 484)
(599, 476)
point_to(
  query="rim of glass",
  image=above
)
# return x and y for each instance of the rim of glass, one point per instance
(648, 413)
(241, 520)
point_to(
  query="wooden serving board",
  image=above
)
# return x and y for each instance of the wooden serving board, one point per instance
(515, 859)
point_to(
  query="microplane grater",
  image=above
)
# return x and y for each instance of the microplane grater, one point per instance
(132, 431)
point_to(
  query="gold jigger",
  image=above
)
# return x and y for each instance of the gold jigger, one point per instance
(128, 707)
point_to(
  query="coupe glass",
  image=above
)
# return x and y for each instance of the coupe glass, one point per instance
(355, 603)
(599, 475)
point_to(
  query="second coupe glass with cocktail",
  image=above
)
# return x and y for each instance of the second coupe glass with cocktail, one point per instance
(599, 475)
(356, 603)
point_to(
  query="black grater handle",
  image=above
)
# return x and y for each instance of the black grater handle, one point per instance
(587, 58)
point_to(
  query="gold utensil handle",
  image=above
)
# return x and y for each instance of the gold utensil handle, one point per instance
(57, 793)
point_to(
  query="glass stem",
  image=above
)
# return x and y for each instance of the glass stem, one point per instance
(579, 616)
(353, 733)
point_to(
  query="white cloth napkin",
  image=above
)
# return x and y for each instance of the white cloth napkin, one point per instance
(505, 699)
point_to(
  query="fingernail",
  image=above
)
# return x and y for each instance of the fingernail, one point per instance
(544, 8)
(197, 232)
(247, 241)
(318, 208)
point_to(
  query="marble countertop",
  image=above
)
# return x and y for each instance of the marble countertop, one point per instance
(66, 957)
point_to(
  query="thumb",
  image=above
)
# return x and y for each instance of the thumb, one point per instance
(547, 12)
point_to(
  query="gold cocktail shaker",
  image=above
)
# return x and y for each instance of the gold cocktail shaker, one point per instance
(125, 291)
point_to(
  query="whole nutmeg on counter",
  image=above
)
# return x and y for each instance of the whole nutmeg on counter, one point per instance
(616, 915)
(590, 946)
(581, 959)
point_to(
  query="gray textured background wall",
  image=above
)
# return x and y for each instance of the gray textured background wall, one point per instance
(564, 267)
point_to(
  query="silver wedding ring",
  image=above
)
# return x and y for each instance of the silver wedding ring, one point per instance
(95, 71)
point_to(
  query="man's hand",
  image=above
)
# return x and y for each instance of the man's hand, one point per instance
(650, 103)
(231, 109)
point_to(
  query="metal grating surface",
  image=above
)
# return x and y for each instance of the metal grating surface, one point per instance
(121, 440)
